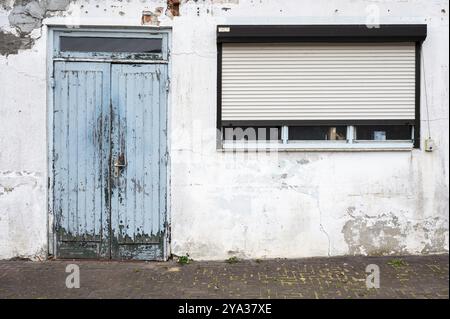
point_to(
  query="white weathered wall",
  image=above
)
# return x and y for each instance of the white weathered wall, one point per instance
(287, 204)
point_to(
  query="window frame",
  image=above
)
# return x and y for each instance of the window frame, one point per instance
(324, 34)
(136, 57)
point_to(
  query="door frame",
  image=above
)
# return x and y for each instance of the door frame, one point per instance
(53, 32)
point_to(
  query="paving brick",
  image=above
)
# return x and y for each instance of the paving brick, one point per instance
(337, 277)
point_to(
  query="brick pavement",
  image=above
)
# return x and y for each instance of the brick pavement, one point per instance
(337, 277)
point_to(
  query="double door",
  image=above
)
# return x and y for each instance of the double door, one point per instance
(109, 160)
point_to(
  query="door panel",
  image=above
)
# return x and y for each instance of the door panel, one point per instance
(138, 179)
(80, 159)
(109, 160)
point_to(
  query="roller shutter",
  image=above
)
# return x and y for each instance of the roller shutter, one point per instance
(301, 81)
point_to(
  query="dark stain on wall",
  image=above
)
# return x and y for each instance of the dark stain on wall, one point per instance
(11, 44)
(26, 16)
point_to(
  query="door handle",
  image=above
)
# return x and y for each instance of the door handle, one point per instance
(119, 163)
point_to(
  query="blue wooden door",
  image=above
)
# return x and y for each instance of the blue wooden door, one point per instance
(138, 180)
(109, 160)
(81, 150)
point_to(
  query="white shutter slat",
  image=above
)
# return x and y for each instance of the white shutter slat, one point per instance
(318, 81)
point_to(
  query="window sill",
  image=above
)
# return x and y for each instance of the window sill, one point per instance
(318, 146)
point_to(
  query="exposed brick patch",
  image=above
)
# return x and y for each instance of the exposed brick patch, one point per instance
(173, 6)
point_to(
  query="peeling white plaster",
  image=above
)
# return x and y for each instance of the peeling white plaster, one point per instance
(284, 204)
(22, 233)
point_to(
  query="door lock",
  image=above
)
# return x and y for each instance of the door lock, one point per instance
(119, 164)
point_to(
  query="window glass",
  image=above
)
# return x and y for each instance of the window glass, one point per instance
(317, 133)
(249, 133)
(103, 44)
(383, 132)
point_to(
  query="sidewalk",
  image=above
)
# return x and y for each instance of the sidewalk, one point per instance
(339, 277)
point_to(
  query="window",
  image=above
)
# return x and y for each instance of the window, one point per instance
(104, 44)
(317, 133)
(383, 132)
(332, 86)
(141, 46)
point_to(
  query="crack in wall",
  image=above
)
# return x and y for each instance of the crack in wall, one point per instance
(316, 196)
(321, 227)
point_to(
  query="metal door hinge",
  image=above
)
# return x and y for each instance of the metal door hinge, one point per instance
(52, 82)
(167, 85)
